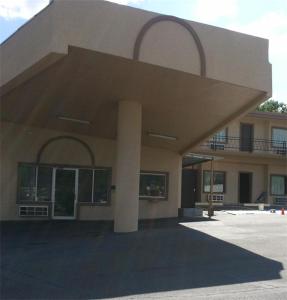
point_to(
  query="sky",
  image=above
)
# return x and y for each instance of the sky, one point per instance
(264, 18)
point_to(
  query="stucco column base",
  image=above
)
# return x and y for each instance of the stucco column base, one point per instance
(128, 166)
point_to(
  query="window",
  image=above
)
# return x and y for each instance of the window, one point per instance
(220, 136)
(44, 183)
(102, 180)
(85, 188)
(218, 182)
(35, 184)
(278, 185)
(279, 137)
(26, 182)
(94, 186)
(153, 185)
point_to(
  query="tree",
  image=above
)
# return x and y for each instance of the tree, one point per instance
(273, 106)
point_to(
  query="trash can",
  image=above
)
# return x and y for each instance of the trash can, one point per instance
(261, 206)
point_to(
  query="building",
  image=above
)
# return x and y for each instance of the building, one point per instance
(250, 163)
(100, 102)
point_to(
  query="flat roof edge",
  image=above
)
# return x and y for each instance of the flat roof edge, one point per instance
(268, 115)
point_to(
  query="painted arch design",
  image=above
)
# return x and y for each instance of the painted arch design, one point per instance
(67, 137)
(187, 26)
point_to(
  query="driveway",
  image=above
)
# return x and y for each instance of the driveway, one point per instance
(235, 256)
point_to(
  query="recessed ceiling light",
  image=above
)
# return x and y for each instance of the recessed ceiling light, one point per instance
(162, 136)
(74, 120)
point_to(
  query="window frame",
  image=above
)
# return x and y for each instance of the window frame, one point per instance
(216, 142)
(285, 185)
(37, 183)
(224, 182)
(273, 140)
(93, 203)
(93, 168)
(92, 191)
(18, 201)
(159, 173)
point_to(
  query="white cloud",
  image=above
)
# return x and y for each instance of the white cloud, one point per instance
(211, 10)
(22, 9)
(272, 26)
(125, 2)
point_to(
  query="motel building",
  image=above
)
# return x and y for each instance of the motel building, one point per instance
(100, 103)
(248, 159)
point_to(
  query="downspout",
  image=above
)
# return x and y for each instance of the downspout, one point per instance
(210, 202)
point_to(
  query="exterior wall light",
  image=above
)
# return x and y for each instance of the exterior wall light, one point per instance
(74, 120)
(162, 136)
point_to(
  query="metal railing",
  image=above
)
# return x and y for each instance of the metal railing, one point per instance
(230, 143)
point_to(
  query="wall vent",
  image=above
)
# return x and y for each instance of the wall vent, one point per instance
(215, 197)
(217, 146)
(33, 211)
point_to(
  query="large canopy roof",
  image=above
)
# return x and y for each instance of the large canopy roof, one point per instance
(52, 68)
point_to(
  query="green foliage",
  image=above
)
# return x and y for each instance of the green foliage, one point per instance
(273, 106)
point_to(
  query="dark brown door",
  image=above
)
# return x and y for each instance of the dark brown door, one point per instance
(245, 187)
(188, 188)
(246, 137)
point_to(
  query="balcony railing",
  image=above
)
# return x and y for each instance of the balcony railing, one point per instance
(230, 143)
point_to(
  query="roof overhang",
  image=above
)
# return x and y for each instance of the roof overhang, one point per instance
(192, 159)
(87, 85)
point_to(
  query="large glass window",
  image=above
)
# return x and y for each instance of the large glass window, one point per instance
(26, 182)
(102, 181)
(279, 137)
(220, 136)
(85, 189)
(93, 184)
(218, 182)
(153, 185)
(44, 183)
(278, 185)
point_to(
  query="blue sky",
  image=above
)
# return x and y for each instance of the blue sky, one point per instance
(265, 18)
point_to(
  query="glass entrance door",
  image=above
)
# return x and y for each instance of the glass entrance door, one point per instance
(64, 193)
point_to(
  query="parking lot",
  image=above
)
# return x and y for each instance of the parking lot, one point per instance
(234, 256)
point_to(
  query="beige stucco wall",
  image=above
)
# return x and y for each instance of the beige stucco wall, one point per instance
(232, 176)
(262, 126)
(21, 144)
(260, 162)
(262, 131)
(261, 168)
(99, 26)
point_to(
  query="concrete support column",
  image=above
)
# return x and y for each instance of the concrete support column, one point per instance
(128, 166)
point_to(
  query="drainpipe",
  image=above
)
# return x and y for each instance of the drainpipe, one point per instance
(210, 204)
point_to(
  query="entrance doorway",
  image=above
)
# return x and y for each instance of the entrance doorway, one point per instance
(64, 193)
(245, 187)
(188, 188)
(246, 137)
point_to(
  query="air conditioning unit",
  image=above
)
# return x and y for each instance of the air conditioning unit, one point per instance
(281, 151)
(217, 146)
(33, 211)
(215, 197)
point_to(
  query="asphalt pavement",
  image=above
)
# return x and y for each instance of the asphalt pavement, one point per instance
(233, 256)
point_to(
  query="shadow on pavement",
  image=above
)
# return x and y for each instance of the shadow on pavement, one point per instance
(85, 260)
